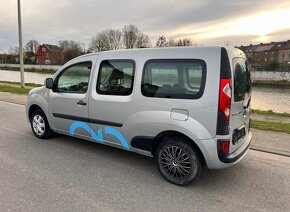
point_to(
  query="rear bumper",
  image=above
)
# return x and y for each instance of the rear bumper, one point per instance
(216, 160)
(239, 153)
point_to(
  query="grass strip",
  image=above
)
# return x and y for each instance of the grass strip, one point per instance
(18, 83)
(11, 89)
(35, 70)
(269, 112)
(271, 126)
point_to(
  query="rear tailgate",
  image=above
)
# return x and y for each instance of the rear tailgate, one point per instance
(241, 97)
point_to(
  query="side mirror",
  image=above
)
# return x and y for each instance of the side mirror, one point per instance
(49, 83)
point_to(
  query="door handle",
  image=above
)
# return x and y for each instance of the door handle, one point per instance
(80, 102)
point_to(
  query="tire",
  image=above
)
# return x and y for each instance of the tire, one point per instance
(39, 125)
(177, 161)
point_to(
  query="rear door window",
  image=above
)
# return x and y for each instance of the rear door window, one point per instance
(116, 77)
(174, 78)
(242, 79)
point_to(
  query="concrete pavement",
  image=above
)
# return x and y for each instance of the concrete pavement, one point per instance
(13, 98)
(272, 142)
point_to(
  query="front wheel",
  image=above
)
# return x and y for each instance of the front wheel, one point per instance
(178, 162)
(39, 125)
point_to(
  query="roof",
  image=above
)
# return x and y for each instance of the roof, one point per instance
(273, 46)
(262, 48)
(284, 46)
(249, 49)
(52, 47)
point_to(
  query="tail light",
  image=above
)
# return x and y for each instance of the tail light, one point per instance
(225, 98)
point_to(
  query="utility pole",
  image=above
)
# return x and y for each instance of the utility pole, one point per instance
(20, 45)
(84, 45)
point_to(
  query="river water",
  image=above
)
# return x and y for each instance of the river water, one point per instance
(275, 99)
(29, 77)
(263, 98)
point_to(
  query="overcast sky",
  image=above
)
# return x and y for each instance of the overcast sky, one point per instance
(210, 22)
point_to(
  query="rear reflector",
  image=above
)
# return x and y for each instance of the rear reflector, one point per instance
(225, 98)
(225, 146)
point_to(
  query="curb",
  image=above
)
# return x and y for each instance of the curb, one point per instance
(11, 102)
(270, 150)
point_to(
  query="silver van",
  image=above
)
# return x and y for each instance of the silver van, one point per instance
(188, 106)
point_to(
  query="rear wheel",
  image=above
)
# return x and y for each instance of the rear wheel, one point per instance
(177, 161)
(39, 125)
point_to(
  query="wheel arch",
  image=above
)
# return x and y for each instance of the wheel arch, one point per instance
(33, 108)
(162, 135)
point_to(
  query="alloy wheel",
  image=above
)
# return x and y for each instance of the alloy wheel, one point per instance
(175, 162)
(38, 125)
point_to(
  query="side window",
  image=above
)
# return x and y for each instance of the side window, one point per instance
(116, 77)
(174, 78)
(74, 79)
(194, 76)
(162, 74)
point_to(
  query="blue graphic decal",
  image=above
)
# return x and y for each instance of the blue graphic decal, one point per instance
(117, 134)
(78, 124)
(99, 136)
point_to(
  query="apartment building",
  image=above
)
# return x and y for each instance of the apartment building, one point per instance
(264, 53)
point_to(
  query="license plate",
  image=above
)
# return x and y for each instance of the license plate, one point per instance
(238, 135)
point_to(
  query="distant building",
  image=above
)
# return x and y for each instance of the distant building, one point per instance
(262, 54)
(284, 53)
(49, 54)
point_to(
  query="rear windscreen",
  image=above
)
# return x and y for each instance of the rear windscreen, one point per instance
(242, 79)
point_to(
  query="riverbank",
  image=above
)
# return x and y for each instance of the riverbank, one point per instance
(33, 70)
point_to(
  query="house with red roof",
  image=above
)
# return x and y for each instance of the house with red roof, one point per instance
(49, 54)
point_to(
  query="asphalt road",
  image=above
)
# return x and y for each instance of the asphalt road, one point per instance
(68, 174)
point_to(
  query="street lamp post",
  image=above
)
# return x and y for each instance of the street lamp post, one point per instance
(20, 45)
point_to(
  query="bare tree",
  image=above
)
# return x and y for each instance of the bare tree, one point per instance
(161, 41)
(63, 44)
(106, 40)
(134, 38)
(114, 38)
(31, 46)
(13, 51)
(130, 36)
(184, 42)
(143, 41)
(111, 39)
(98, 43)
(171, 43)
(180, 42)
(71, 49)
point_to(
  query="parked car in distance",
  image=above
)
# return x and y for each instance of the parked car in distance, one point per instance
(188, 106)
